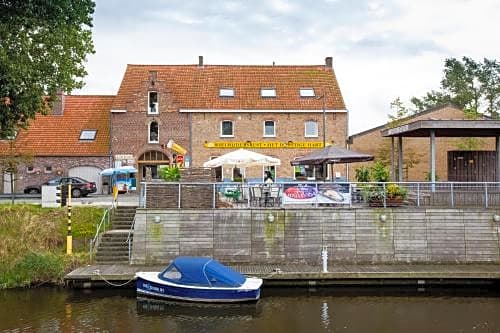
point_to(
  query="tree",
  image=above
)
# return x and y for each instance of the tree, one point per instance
(43, 47)
(10, 163)
(410, 158)
(471, 85)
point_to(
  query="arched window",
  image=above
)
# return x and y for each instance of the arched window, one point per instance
(154, 135)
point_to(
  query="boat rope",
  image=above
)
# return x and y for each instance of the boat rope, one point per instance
(98, 273)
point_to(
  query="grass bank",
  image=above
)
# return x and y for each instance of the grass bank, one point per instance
(33, 243)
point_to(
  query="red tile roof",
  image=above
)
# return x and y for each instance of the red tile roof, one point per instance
(59, 135)
(194, 87)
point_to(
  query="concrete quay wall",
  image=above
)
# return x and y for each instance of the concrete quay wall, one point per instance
(358, 235)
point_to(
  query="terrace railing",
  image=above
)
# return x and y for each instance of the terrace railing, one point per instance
(319, 194)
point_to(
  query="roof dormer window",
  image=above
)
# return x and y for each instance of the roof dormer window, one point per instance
(268, 92)
(307, 92)
(88, 135)
(226, 92)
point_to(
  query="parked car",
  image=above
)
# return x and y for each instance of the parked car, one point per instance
(79, 186)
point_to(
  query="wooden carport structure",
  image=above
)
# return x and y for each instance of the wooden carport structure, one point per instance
(442, 128)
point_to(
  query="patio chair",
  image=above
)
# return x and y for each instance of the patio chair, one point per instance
(275, 195)
(255, 196)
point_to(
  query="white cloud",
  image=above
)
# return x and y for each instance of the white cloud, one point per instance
(381, 49)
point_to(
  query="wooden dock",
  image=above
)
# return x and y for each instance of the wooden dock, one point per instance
(94, 276)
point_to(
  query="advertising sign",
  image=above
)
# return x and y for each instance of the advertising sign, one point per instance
(323, 193)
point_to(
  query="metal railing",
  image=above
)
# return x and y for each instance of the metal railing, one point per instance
(94, 242)
(129, 238)
(320, 194)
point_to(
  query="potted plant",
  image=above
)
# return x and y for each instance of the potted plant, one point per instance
(396, 193)
(170, 174)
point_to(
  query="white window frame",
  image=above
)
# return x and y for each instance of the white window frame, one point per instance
(149, 132)
(226, 92)
(264, 129)
(30, 169)
(48, 169)
(305, 129)
(88, 135)
(243, 171)
(265, 168)
(222, 135)
(268, 92)
(156, 104)
(307, 92)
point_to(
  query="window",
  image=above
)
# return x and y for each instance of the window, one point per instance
(267, 92)
(311, 129)
(153, 102)
(153, 132)
(226, 128)
(307, 92)
(308, 172)
(172, 274)
(269, 128)
(30, 169)
(238, 175)
(48, 169)
(226, 92)
(88, 135)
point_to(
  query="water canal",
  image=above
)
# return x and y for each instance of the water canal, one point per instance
(279, 310)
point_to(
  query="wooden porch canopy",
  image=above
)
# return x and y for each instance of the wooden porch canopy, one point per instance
(443, 128)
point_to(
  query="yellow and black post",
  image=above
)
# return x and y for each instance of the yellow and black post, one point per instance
(69, 237)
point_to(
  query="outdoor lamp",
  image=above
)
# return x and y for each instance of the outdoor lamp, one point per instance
(157, 219)
(382, 217)
(496, 218)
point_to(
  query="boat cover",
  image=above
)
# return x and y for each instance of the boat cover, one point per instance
(201, 271)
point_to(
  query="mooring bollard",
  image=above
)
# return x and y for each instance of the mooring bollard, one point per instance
(324, 257)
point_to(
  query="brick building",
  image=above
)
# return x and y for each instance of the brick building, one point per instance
(416, 149)
(71, 141)
(213, 109)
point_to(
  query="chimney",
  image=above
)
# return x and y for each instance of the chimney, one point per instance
(200, 61)
(58, 108)
(328, 63)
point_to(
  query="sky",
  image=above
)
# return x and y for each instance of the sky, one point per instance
(381, 50)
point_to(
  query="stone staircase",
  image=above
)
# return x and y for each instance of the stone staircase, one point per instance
(113, 247)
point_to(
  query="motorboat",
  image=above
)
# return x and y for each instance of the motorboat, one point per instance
(199, 279)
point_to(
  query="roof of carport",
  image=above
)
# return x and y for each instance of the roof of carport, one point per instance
(446, 128)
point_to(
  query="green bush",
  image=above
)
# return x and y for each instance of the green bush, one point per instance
(362, 174)
(170, 174)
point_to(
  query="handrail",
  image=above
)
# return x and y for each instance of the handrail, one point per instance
(128, 239)
(373, 194)
(94, 242)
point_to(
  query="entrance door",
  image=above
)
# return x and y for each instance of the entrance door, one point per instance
(6, 183)
(150, 162)
(471, 166)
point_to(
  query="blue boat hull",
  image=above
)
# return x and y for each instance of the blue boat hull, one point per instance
(213, 295)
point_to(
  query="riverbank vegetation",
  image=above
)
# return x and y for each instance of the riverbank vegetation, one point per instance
(33, 243)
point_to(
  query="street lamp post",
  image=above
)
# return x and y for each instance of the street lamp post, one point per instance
(324, 122)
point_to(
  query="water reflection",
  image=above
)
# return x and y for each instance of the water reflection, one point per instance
(158, 307)
(279, 310)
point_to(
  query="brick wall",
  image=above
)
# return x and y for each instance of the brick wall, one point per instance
(60, 167)
(130, 130)
(250, 127)
(371, 141)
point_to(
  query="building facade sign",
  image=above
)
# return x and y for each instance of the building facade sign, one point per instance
(263, 144)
